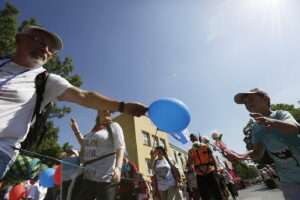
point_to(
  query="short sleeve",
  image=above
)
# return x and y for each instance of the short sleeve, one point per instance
(55, 86)
(285, 116)
(118, 136)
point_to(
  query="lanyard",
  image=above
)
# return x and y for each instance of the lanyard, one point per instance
(15, 75)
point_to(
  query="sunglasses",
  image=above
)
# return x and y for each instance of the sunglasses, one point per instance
(40, 42)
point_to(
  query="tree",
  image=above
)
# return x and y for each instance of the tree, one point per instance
(266, 159)
(245, 171)
(66, 146)
(8, 27)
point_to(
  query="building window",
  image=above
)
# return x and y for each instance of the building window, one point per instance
(149, 171)
(162, 143)
(145, 137)
(154, 141)
(182, 162)
(175, 156)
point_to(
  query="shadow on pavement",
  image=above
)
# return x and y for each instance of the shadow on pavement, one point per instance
(261, 189)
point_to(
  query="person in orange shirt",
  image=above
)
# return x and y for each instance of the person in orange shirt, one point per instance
(201, 158)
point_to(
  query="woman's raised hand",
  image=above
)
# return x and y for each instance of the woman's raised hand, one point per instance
(74, 126)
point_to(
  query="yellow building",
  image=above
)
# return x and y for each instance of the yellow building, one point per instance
(141, 136)
(180, 156)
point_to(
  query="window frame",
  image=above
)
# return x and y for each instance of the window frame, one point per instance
(144, 133)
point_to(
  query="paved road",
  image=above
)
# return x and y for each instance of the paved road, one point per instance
(260, 192)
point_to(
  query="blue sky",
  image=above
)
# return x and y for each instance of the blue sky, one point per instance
(199, 51)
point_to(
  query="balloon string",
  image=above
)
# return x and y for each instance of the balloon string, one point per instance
(86, 168)
(155, 136)
(62, 162)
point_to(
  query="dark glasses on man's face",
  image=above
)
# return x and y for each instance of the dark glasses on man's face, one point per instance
(41, 42)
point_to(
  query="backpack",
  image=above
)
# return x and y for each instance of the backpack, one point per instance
(203, 161)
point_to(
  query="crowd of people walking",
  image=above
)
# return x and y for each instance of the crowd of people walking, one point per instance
(105, 173)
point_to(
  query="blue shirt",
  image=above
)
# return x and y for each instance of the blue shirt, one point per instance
(283, 149)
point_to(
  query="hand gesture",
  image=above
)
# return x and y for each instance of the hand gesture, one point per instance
(74, 126)
(116, 175)
(153, 153)
(135, 109)
(179, 185)
(262, 120)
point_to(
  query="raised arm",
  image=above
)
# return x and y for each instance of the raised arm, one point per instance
(76, 131)
(153, 154)
(99, 102)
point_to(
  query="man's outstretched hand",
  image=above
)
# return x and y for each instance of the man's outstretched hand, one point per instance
(135, 109)
(262, 120)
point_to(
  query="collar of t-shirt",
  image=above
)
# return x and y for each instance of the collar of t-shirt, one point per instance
(98, 128)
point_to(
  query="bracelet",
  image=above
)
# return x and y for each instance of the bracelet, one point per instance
(118, 168)
(121, 106)
(77, 133)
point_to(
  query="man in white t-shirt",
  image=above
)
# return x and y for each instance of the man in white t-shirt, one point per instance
(34, 47)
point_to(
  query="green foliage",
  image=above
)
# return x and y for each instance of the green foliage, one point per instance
(248, 134)
(266, 159)
(245, 171)
(67, 146)
(8, 27)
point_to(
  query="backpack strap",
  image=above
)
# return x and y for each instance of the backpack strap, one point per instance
(36, 133)
(4, 63)
(174, 170)
(40, 85)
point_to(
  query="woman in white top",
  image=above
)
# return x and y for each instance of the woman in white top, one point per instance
(168, 177)
(102, 150)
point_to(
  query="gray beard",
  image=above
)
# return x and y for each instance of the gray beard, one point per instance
(37, 58)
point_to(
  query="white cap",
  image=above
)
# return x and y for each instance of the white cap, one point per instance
(57, 39)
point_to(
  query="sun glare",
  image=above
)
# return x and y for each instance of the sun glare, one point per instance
(270, 12)
(264, 15)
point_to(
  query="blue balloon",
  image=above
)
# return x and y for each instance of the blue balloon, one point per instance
(47, 178)
(169, 115)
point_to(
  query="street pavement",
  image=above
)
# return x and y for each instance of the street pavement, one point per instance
(260, 192)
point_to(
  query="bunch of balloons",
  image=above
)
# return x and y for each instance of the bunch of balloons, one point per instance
(50, 177)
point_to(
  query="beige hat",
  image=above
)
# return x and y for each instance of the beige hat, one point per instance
(205, 139)
(57, 39)
(238, 98)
